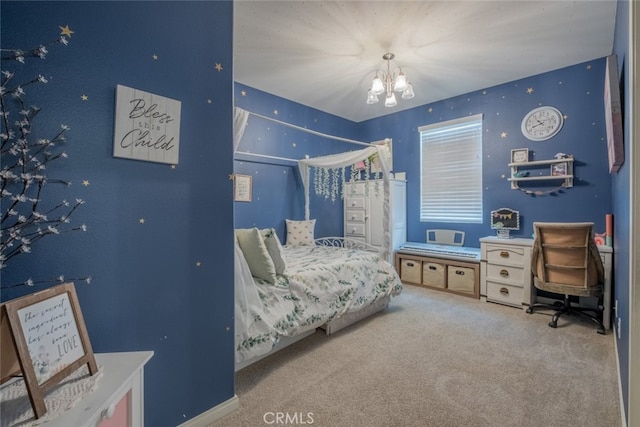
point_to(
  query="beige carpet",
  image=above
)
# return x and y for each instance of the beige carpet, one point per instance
(436, 359)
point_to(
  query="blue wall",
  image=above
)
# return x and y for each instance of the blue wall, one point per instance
(621, 189)
(577, 91)
(166, 284)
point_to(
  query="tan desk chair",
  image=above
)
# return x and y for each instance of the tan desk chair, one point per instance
(565, 260)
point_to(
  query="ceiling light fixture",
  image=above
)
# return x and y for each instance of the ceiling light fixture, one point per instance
(389, 83)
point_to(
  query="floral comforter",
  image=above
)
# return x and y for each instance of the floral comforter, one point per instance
(319, 284)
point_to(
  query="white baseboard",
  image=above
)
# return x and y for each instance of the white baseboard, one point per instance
(620, 394)
(214, 413)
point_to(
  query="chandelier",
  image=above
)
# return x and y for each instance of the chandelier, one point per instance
(389, 83)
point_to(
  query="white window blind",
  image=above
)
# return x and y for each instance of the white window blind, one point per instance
(451, 173)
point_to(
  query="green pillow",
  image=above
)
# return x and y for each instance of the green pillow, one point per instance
(274, 247)
(256, 254)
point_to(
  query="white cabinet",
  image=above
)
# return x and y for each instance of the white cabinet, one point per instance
(118, 399)
(364, 212)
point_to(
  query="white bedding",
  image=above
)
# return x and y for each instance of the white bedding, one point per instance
(320, 283)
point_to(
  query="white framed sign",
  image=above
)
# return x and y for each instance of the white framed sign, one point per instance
(147, 126)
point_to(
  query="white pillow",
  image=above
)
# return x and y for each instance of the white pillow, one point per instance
(256, 254)
(300, 233)
(274, 247)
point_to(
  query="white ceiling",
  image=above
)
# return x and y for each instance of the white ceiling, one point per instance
(324, 54)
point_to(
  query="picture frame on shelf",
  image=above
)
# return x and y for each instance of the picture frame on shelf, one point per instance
(519, 155)
(559, 169)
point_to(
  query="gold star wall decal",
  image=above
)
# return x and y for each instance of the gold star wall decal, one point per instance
(198, 264)
(503, 135)
(275, 112)
(85, 182)
(430, 109)
(173, 166)
(84, 97)
(141, 220)
(155, 57)
(209, 101)
(589, 67)
(530, 90)
(65, 31)
(243, 92)
(218, 67)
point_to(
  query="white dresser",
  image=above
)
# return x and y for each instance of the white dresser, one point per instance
(364, 213)
(505, 274)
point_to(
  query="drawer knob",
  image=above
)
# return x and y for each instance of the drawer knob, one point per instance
(353, 231)
(353, 203)
(410, 264)
(432, 267)
(504, 291)
(504, 254)
(504, 273)
(460, 272)
(353, 217)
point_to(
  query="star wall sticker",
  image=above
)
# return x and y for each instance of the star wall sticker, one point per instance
(173, 167)
(209, 101)
(243, 92)
(218, 67)
(141, 220)
(155, 57)
(530, 90)
(198, 263)
(503, 135)
(589, 67)
(65, 31)
(84, 97)
(275, 112)
(85, 182)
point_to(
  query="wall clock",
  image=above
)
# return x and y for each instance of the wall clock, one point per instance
(542, 123)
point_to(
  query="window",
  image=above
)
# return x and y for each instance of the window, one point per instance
(451, 173)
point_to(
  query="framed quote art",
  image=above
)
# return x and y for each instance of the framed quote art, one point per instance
(242, 188)
(51, 339)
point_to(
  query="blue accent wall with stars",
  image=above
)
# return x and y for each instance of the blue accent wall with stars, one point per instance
(577, 91)
(159, 237)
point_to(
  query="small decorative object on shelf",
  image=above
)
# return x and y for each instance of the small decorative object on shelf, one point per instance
(503, 220)
(519, 155)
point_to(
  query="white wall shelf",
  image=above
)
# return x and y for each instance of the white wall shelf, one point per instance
(558, 170)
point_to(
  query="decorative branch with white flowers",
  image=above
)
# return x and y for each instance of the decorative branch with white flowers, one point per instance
(25, 215)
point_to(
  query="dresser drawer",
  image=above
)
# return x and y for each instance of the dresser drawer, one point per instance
(503, 254)
(505, 273)
(433, 274)
(461, 279)
(410, 270)
(355, 202)
(506, 294)
(354, 229)
(354, 190)
(354, 215)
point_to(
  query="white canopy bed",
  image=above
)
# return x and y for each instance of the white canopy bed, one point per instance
(328, 283)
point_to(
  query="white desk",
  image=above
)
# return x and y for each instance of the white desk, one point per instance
(119, 390)
(505, 273)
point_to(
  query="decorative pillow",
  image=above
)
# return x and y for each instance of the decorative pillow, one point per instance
(274, 247)
(300, 233)
(256, 254)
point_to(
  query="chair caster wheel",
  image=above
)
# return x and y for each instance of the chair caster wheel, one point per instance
(553, 324)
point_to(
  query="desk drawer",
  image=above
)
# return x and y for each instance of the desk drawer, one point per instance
(410, 271)
(503, 273)
(354, 215)
(355, 202)
(354, 229)
(505, 294)
(503, 254)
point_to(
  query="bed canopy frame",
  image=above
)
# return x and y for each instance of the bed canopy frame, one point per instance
(330, 164)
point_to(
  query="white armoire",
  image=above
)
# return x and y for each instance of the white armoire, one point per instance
(364, 214)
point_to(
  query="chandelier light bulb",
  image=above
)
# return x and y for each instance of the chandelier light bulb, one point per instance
(408, 92)
(401, 83)
(372, 98)
(377, 87)
(390, 100)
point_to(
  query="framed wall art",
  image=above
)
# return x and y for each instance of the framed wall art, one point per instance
(242, 188)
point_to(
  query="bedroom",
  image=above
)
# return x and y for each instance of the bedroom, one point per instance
(141, 299)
